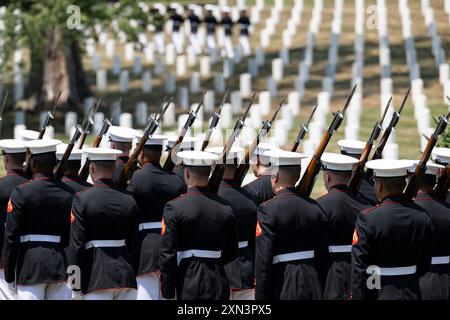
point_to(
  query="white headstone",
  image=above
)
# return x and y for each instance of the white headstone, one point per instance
(159, 66)
(182, 118)
(124, 79)
(96, 62)
(181, 66)
(141, 113)
(228, 68)
(101, 80)
(253, 67)
(98, 123)
(277, 69)
(198, 123)
(272, 87)
(323, 101)
(352, 132)
(284, 55)
(245, 85)
(19, 117)
(226, 117)
(260, 56)
(116, 65)
(391, 151)
(265, 102)
(147, 82)
(70, 121)
(444, 72)
(18, 86)
(236, 101)
(219, 83)
(205, 66)
(137, 67)
(169, 117)
(129, 51)
(18, 129)
(194, 83)
(294, 103)
(209, 101)
(170, 54)
(110, 48)
(170, 83)
(183, 97)
(126, 120)
(149, 53)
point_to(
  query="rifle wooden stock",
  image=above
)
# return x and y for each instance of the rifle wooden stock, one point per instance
(242, 169)
(84, 172)
(358, 175)
(61, 166)
(443, 183)
(207, 138)
(309, 177)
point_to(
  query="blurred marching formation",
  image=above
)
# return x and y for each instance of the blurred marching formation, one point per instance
(156, 213)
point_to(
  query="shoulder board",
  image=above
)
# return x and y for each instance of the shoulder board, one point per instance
(180, 196)
(268, 201)
(366, 211)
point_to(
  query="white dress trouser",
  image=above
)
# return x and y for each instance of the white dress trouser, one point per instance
(177, 39)
(210, 42)
(195, 43)
(6, 293)
(44, 291)
(148, 287)
(244, 294)
(228, 46)
(245, 45)
(112, 294)
(158, 41)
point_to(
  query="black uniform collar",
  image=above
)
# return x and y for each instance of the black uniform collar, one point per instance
(103, 182)
(71, 177)
(340, 187)
(230, 182)
(424, 195)
(15, 172)
(194, 190)
(286, 191)
(42, 176)
(399, 197)
(123, 158)
(150, 165)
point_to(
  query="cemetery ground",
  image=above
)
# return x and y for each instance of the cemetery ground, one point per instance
(407, 136)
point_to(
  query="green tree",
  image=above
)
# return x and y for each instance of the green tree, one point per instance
(53, 34)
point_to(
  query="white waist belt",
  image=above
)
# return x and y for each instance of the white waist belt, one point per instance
(398, 271)
(340, 249)
(150, 225)
(198, 253)
(243, 244)
(104, 243)
(299, 255)
(440, 260)
(40, 238)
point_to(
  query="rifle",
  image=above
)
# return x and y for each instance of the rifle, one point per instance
(87, 126)
(214, 121)
(84, 172)
(359, 171)
(169, 164)
(243, 167)
(307, 182)
(414, 181)
(2, 108)
(443, 182)
(130, 166)
(61, 166)
(303, 131)
(50, 116)
(378, 154)
(219, 168)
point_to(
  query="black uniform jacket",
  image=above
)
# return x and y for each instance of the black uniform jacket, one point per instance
(211, 23)
(341, 208)
(194, 22)
(152, 188)
(104, 212)
(38, 207)
(240, 272)
(367, 191)
(197, 220)
(179, 171)
(262, 187)
(177, 20)
(435, 284)
(227, 24)
(244, 23)
(289, 223)
(8, 183)
(120, 164)
(75, 183)
(395, 233)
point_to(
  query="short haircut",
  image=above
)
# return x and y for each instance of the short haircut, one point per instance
(121, 145)
(104, 164)
(202, 171)
(16, 158)
(44, 162)
(73, 165)
(341, 176)
(428, 181)
(392, 184)
(287, 174)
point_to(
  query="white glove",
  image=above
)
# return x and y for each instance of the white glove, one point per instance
(77, 295)
(12, 286)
